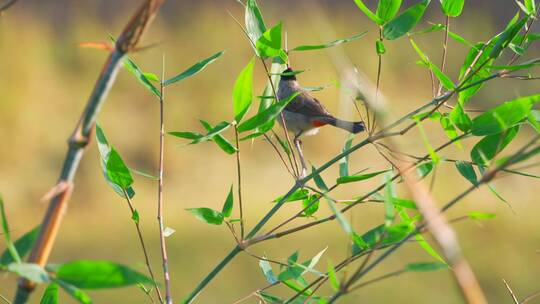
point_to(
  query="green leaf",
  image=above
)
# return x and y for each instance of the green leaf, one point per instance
(50, 296)
(449, 128)
(75, 292)
(88, 274)
(243, 91)
(427, 248)
(368, 12)
(452, 8)
(389, 211)
(194, 69)
(530, 5)
(506, 37)
(318, 180)
(480, 215)
(424, 169)
(329, 44)
(460, 119)
(221, 141)
(432, 153)
(215, 131)
(380, 48)
(344, 161)
(117, 171)
(297, 195)
(186, 135)
(267, 271)
(504, 116)
(522, 66)
(266, 116)
(443, 79)
(387, 9)
(254, 22)
(23, 246)
(360, 177)
(136, 71)
(151, 76)
(467, 171)
(487, 148)
(269, 44)
(332, 277)
(391, 235)
(403, 203)
(228, 205)
(114, 169)
(474, 62)
(30, 271)
(135, 216)
(311, 205)
(270, 298)
(421, 267)
(405, 22)
(207, 215)
(7, 236)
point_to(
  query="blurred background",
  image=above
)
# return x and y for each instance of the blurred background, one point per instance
(45, 80)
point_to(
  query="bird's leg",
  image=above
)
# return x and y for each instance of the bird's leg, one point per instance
(298, 144)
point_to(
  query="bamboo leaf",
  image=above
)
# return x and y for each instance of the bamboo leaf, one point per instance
(207, 215)
(329, 44)
(405, 22)
(194, 69)
(136, 71)
(243, 91)
(228, 205)
(7, 235)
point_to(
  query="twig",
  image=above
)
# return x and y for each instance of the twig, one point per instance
(239, 174)
(163, 244)
(80, 139)
(4, 7)
(445, 51)
(514, 298)
(143, 246)
(269, 140)
(531, 297)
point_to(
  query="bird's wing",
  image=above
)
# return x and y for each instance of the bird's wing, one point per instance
(307, 105)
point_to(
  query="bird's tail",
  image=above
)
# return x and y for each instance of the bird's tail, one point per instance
(353, 127)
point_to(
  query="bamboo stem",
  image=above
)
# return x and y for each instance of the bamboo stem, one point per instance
(80, 139)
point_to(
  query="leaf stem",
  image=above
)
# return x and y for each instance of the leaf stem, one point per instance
(239, 173)
(165, 260)
(143, 246)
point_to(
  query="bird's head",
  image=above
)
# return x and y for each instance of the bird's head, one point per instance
(288, 74)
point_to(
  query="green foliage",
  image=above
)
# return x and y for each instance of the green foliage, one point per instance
(481, 215)
(221, 141)
(194, 69)
(88, 274)
(424, 169)
(443, 79)
(255, 26)
(207, 215)
(243, 91)
(503, 117)
(136, 71)
(332, 277)
(487, 148)
(297, 195)
(228, 205)
(380, 48)
(50, 296)
(405, 22)
(22, 246)
(267, 271)
(269, 44)
(358, 177)
(329, 44)
(452, 8)
(74, 292)
(421, 267)
(387, 9)
(7, 235)
(344, 162)
(368, 12)
(467, 171)
(116, 173)
(265, 116)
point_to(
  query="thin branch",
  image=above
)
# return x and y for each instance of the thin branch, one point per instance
(239, 174)
(531, 297)
(511, 292)
(81, 136)
(445, 51)
(143, 246)
(164, 257)
(5, 7)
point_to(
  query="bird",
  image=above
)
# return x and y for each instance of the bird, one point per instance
(304, 115)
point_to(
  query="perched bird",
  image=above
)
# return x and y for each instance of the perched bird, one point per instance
(304, 115)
